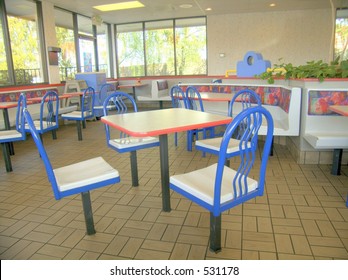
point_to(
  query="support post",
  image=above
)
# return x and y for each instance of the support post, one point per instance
(215, 233)
(87, 210)
(134, 168)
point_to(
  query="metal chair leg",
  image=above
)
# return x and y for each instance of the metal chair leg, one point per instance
(215, 233)
(87, 210)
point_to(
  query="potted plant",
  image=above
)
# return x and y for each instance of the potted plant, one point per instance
(313, 69)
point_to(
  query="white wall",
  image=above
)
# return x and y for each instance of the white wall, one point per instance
(295, 36)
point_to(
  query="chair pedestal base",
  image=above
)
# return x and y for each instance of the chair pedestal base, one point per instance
(87, 210)
(215, 233)
(134, 168)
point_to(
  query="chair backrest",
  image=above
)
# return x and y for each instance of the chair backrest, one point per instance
(193, 99)
(245, 99)
(117, 102)
(43, 154)
(20, 120)
(178, 97)
(246, 166)
(49, 111)
(88, 103)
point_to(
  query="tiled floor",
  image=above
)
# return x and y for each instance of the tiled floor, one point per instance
(302, 214)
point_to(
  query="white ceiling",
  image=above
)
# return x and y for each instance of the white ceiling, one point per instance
(167, 9)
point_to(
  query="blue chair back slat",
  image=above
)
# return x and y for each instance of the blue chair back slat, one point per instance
(178, 97)
(246, 97)
(20, 120)
(252, 117)
(116, 101)
(193, 99)
(88, 103)
(49, 111)
(43, 154)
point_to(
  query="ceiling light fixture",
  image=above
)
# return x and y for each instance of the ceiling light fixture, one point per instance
(185, 6)
(119, 6)
(208, 9)
(272, 5)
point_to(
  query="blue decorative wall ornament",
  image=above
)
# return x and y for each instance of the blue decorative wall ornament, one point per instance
(252, 64)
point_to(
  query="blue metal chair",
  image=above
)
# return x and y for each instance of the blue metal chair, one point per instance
(86, 111)
(194, 102)
(122, 103)
(178, 98)
(242, 100)
(105, 91)
(81, 177)
(48, 121)
(218, 187)
(18, 134)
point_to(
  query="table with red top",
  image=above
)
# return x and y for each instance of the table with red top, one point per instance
(161, 123)
(133, 87)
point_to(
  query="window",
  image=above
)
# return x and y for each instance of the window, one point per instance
(65, 39)
(103, 49)
(161, 48)
(341, 34)
(191, 49)
(86, 44)
(130, 50)
(4, 74)
(24, 41)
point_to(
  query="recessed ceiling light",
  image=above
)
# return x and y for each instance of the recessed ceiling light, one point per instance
(119, 6)
(208, 9)
(272, 5)
(186, 6)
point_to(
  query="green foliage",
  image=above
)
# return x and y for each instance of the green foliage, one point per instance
(313, 69)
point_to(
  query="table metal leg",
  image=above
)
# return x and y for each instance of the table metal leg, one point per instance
(134, 168)
(336, 162)
(164, 172)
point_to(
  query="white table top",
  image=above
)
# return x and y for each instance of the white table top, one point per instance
(165, 121)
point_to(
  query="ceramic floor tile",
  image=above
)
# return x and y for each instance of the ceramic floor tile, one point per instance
(301, 216)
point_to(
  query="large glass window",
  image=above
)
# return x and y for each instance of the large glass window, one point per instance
(24, 40)
(341, 38)
(86, 44)
(65, 38)
(166, 49)
(4, 74)
(159, 46)
(130, 50)
(103, 49)
(191, 48)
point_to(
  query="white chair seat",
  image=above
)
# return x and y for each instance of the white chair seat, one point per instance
(10, 134)
(127, 142)
(37, 125)
(200, 183)
(214, 144)
(84, 173)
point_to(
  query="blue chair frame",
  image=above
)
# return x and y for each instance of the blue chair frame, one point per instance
(194, 102)
(9, 136)
(104, 92)
(178, 98)
(231, 186)
(88, 175)
(117, 103)
(86, 111)
(246, 98)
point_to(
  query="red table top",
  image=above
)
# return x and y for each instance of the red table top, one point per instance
(165, 121)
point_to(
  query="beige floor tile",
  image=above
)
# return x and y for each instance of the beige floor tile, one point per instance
(301, 216)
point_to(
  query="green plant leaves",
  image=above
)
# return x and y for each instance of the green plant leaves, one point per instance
(312, 69)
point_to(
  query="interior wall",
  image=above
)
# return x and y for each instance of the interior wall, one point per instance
(294, 36)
